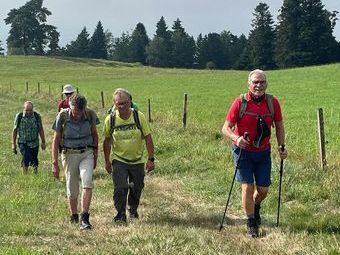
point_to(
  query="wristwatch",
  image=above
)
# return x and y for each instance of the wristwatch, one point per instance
(152, 159)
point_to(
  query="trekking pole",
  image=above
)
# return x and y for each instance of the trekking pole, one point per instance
(280, 187)
(245, 136)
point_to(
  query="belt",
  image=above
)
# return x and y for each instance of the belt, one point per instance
(76, 149)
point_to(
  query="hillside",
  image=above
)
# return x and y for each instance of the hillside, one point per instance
(185, 197)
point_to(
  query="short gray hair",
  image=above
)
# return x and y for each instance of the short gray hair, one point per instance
(78, 101)
(121, 91)
(257, 71)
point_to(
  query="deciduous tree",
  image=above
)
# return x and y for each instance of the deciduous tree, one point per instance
(29, 32)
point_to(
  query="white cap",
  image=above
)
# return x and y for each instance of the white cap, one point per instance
(68, 88)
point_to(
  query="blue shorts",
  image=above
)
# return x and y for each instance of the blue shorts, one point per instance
(253, 166)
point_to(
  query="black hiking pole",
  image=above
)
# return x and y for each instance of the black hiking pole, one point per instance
(245, 136)
(280, 187)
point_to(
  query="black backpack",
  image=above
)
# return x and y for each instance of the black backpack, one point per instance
(21, 114)
(135, 118)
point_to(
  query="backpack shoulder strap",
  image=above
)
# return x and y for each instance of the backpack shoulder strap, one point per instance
(112, 121)
(270, 104)
(20, 114)
(137, 121)
(243, 106)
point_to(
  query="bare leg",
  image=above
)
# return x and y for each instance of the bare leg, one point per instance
(86, 199)
(73, 204)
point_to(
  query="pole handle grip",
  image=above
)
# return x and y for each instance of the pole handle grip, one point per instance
(282, 147)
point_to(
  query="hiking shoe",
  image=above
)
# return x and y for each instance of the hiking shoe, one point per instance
(252, 228)
(74, 218)
(257, 214)
(120, 219)
(133, 214)
(84, 221)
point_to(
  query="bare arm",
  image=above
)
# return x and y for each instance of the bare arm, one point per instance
(55, 149)
(227, 130)
(280, 136)
(107, 151)
(95, 145)
(42, 137)
(150, 165)
(14, 140)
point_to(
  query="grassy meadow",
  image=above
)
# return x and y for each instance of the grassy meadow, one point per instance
(184, 198)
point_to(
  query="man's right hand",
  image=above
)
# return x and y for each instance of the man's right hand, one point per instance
(108, 166)
(55, 170)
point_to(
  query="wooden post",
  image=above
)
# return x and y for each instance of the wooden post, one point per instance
(321, 132)
(149, 107)
(26, 86)
(49, 90)
(102, 93)
(38, 87)
(185, 110)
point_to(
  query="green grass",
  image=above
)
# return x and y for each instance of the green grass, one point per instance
(184, 199)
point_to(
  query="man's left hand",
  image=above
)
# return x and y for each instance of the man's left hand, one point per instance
(150, 166)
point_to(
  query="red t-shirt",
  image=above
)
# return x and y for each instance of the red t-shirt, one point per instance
(248, 123)
(63, 104)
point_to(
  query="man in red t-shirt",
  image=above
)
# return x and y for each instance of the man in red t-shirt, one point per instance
(68, 92)
(255, 163)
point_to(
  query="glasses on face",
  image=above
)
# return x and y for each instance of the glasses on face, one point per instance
(258, 82)
(122, 104)
(68, 94)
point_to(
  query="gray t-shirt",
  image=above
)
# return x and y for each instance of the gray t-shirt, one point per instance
(76, 134)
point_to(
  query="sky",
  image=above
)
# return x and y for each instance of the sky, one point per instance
(118, 16)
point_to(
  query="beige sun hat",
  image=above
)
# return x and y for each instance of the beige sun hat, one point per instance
(68, 88)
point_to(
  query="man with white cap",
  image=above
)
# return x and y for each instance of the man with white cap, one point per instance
(67, 91)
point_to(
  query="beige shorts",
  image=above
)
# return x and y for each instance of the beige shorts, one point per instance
(78, 168)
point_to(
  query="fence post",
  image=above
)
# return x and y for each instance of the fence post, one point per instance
(185, 110)
(38, 87)
(102, 94)
(26, 86)
(321, 133)
(149, 108)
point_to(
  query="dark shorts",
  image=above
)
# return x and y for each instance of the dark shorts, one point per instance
(253, 166)
(29, 155)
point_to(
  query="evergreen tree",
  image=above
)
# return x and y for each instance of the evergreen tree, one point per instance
(139, 41)
(316, 40)
(211, 52)
(260, 45)
(121, 48)
(183, 47)
(287, 33)
(304, 34)
(79, 47)
(233, 48)
(159, 50)
(29, 31)
(53, 37)
(198, 54)
(97, 44)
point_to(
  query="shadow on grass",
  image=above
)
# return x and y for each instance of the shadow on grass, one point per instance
(211, 222)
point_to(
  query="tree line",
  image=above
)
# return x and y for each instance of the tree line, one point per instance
(302, 36)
